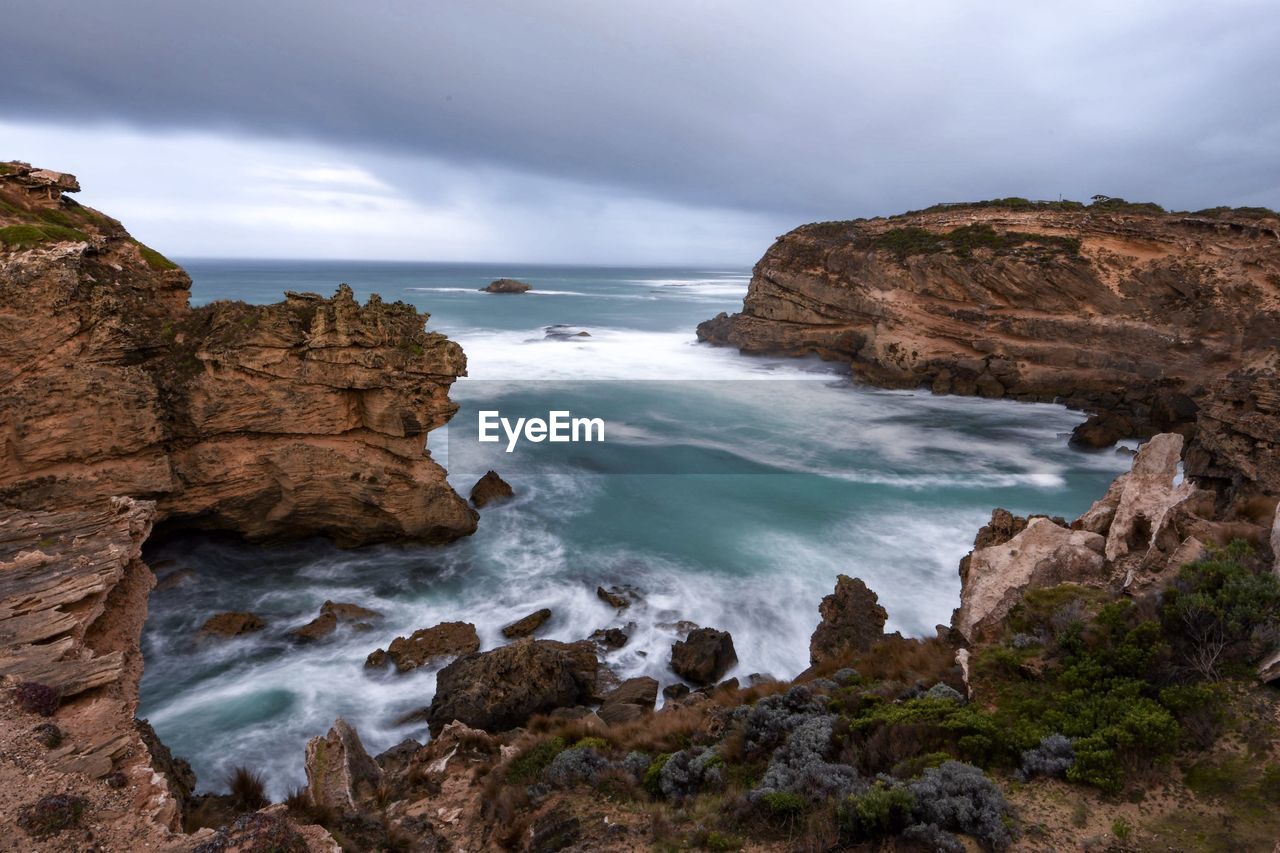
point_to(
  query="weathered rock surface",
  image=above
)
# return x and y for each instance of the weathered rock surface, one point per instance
(331, 615)
(528, 625)
(704, 656)
(506, 285)
(501, 689)
(300, 418)
(73, 598)
(852, 620)
(1147, 494)
(630, 701)
(1133, 315)
(427, 645)
(996, 577)
(491, 489)
(232, 624)
(619, 597)
(340, 773)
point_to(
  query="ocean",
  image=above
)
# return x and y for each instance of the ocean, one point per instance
(730, 491)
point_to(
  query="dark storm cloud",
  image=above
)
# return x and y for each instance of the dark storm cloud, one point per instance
(797, 108)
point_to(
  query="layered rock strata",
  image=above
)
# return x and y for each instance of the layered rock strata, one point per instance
(1147, 320)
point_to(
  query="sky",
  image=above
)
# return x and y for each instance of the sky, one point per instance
(690, 132)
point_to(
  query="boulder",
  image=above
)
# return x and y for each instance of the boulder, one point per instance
(1044, 554)
(490, 489)
(506, 285)
(428, 645)
(610, 638)
(704, 656)
(317, 629)
(675, 692)
(501, 689)
(631, 700)
(619, 597)
(1146, 495)
(340, 774)
(232, 624)
(1097, 519)
(526, 626)
(345, 612)
(852, 620)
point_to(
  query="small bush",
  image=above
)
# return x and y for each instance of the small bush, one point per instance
(49, 735)
(652, 781)
(883, 809)
(801, 766)
(960, 798)
(247, 789)
(636, 763)
(1053, 756)
(944, 691)
(781, 804)
(51, 814)
(1121, 829)
(575, 766)
(934, 838)
(596, 743)
(689, 772)
(35, 698)
(528, 765)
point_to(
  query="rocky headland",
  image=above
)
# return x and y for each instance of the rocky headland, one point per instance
(1150, 321)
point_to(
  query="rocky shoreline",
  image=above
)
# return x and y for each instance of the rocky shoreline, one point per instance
(1085, 655)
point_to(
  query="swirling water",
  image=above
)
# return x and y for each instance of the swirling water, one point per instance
(775, 475)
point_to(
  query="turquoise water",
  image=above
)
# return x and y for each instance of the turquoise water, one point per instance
(730, 490)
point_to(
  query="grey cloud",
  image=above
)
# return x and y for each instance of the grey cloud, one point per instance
(805, 109)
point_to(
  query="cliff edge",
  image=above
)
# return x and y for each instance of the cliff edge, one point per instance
(1150, 321)
(300, 418)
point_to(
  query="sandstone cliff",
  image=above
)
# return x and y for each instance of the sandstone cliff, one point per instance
(1145, 319)
(304, 417)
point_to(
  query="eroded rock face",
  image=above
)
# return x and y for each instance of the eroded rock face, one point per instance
(340, 773)
(852, 620)
(301, 418)
(1146, 495)
(704, 656)
(1127, 314)
(1043, 554)
(501, 689)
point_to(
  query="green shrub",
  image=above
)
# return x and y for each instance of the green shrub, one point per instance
(26, 236)
(155, 260)
(965, 240)
(653, 776)
(881, 810)
(597, 743)
(528, 766)
(782, 804)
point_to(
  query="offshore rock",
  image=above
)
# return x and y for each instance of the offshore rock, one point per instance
(528, 625)
(300, 418)
(704, 656)
(1144, 318)
(490, 489)
(852, 620)
(427, 646)
(506, 285)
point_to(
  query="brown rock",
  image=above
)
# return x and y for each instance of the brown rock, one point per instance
(427, 646)
(610, 638)
(632, 699)
(232, 624)
(526, 626)
(501, 689)
(175, 579)
(1044, 554)
(300, 418)
(340, 774)
(617, 596)
(1108, 309)
(317, 629)
(852, 620)
(675, 692)
(491, 489)
(506, 285)
(704, 656)
(345, 612)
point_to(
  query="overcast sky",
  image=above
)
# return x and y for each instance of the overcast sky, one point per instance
(610, 132)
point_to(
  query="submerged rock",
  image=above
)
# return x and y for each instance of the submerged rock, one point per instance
(232, 624)
(852, 621)
(340, 773)
(428, 645)
(490, 489)
(620, 597)
(331, 614)
(704, 656)
(501, 689)
(506, 285)
(610, 638)
(526, 626)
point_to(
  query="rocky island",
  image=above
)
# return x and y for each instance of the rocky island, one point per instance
(506, 285)
(1100, 676)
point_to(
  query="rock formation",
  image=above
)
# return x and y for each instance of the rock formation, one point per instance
(502, 688)
(528, 625)
(490, 489)
(340, 772)
(631, 700)
(852, 620)
(704, 656)
(506, 285)
(300, 418)
(426, 646)
(1134, 315)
